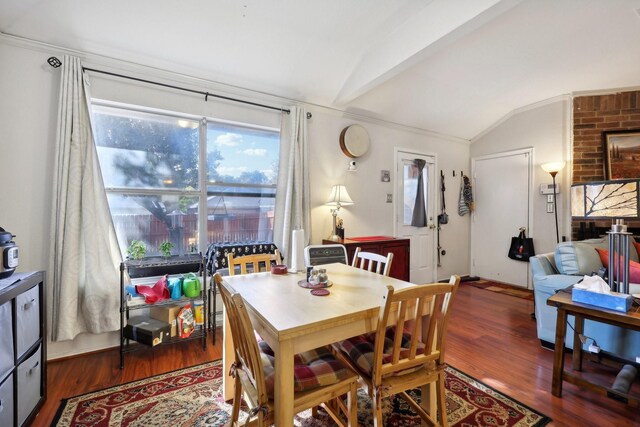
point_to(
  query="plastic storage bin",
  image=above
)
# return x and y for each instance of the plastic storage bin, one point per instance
(6, 340)
(27, 316)
(29, 385)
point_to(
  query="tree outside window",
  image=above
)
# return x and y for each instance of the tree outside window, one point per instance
(151, 170)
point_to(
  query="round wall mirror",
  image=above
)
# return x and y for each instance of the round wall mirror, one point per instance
(354, 141)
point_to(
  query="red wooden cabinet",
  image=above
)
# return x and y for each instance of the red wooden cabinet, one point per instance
(381, 245)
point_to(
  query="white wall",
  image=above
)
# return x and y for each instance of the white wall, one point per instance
(546, 129)
(370, 214)
(28, 115)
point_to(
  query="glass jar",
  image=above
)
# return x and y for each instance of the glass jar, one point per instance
(313, 276)
(323, 277)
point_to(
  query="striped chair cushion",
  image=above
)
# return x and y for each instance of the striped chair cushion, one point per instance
(311, 369)
(360, 349)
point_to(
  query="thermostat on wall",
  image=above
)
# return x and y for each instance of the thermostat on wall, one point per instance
(548, 188)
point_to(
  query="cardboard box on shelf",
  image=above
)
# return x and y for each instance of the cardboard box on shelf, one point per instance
(146, 330)
(166, 313)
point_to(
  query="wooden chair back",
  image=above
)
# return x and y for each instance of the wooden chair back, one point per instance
(429, 303)
(248, 366)
(422, 311)
(258, 262)
(372, 262)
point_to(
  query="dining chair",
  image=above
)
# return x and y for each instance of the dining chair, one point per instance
(319, 378)
(394, 358)
(255, 261)
(372, 262)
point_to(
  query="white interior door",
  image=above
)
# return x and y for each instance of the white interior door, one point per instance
(423, 245)
(502, 196)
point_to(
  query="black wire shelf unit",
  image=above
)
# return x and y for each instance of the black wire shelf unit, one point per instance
(154, 267)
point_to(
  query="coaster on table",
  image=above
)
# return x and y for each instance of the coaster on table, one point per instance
(303, 283)
(320, 292)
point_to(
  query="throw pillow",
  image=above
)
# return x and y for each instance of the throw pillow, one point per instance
(634, 267)
(578, 258)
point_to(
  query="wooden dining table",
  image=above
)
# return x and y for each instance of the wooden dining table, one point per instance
(291, 320)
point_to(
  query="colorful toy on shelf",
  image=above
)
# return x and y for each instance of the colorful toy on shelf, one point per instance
(191, 286)
(175, 287)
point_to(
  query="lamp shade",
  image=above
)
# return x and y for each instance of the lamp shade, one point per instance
(605, 199)
(553, 167)
(339, 196)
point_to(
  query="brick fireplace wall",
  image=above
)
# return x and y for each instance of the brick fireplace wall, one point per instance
(593, 115)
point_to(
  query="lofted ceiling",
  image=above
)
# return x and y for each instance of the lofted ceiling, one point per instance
(455, 67)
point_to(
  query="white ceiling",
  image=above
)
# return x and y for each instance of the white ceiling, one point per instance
(455, 67)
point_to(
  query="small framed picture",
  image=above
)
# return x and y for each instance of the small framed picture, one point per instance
(621, 154)
(385, 176)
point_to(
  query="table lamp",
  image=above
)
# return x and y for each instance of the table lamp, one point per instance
(339, 197)
(613, 200)
(553, 169)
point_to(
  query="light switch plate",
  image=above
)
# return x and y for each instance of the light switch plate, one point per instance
(549, 207)
(389, 198)
(550, 198)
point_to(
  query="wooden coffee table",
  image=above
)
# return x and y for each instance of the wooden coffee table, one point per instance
(566, 307)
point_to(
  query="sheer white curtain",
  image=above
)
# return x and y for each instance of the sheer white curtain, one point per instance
(84, 280)
(292, 209)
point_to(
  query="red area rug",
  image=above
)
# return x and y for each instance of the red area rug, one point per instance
(191, 397)
(502, 288)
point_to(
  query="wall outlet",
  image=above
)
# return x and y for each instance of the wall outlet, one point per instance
(389, 198)
(549, 207)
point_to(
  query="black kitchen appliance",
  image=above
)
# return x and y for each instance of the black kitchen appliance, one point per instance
(9, 254)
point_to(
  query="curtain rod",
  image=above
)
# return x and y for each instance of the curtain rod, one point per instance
(199, 92)
(55, 63)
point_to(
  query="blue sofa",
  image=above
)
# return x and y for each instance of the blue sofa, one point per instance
(562, 268)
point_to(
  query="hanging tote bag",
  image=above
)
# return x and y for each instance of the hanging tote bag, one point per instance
(521, 248)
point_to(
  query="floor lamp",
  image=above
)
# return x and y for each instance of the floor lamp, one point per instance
(553, 169)
(614, 200)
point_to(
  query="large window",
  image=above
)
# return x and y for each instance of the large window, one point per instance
(161, 170)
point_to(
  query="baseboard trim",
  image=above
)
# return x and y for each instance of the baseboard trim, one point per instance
(551, 346)
(76, 355)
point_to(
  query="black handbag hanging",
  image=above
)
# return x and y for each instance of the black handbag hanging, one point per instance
(521, 248)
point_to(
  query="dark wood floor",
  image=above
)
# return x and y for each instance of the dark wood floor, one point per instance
(491, 337)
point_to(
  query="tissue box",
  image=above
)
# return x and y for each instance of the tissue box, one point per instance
(613, 301)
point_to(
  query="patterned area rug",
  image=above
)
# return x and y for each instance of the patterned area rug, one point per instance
(501, 288)
(191, 397)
